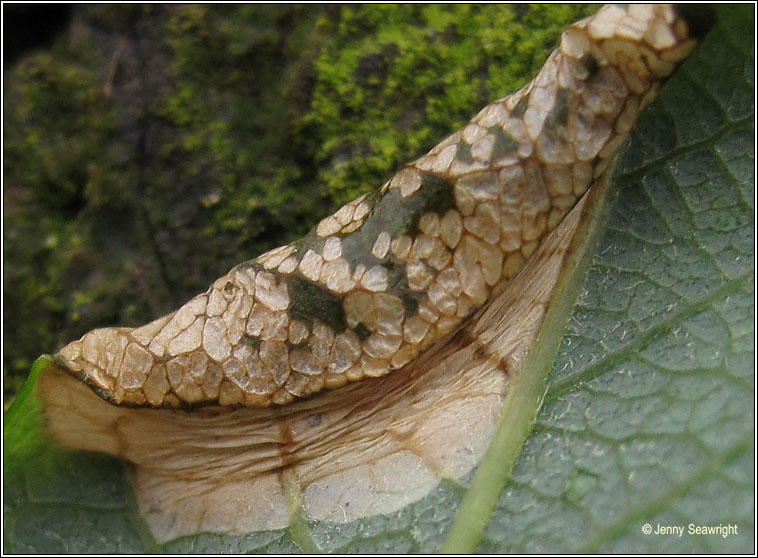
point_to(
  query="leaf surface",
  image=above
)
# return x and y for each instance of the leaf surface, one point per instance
(648, 413)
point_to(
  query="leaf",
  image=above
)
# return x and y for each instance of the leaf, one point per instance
(648, 415)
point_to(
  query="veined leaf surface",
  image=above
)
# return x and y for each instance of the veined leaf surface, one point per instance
(648, 415)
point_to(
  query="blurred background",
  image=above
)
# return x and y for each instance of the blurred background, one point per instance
(150, 148)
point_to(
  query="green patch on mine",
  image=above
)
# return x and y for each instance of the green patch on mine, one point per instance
(590, 64)
(504, 143)
(302, 346)
(362, 331)
(521, 106)
(252, 265)
(311, 241)
(253, 342)
(464, 153)
(396, 281)
(309, 302)
(435, 196)
(397, 216)
(397, 284)
(559, 115)
(411, 301)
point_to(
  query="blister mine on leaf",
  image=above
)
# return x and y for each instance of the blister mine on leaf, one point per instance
(413, 304)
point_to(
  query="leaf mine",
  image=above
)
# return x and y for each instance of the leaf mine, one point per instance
(377, 349)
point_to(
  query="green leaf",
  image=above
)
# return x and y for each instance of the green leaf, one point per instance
(648, 413)
(648, 417)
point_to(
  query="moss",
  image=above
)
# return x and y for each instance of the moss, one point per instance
(232, 75)
(152, 147)
(57, 173)
(393, 80)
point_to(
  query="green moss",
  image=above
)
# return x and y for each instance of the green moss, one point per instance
(232, 75)
(312, 302)
(56, 165)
